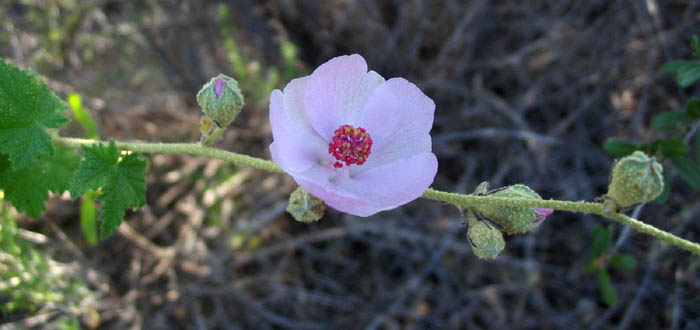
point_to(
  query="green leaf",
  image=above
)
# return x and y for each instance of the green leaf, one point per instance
(601, 240)
(688, 171)
(686, 72)
(83, 116)
(27, 109)
(28, 188)
(122, 181)
(590, 266)
(666, 192)
(607, 292)
(672, 67)
(671, 147)
(671, 120)
(622, 261)
(619, 148)
(59, 170)
(695, 45)
(88, 218)
(693, 107)
(99, 163)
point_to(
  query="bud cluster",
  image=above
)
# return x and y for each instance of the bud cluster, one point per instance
(488, 222)
(513, 219)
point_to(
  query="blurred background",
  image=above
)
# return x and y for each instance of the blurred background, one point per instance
(526, 92)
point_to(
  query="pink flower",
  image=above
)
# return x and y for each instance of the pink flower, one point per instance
(356, 141)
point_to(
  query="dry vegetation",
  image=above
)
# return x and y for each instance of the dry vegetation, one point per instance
(526, 93)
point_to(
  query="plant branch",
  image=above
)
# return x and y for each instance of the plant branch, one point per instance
(194, 149)
(464, 201)
(458, 200)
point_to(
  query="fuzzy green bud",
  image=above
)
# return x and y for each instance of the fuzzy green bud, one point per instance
(514, 220)
(305, 207)
(221, 100)
(635, 179)
(486, 240)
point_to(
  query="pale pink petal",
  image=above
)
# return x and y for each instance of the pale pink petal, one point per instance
(393, 184)
(296, 145)
(320, 182)
(219, 86)
(337, 92)
(398, 117)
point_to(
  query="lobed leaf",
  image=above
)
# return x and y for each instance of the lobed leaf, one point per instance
(27, 109)
(122, 181)
(94, 171)
(28, 188)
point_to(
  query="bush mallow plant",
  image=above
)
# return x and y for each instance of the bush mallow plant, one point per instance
(349, 137)
(357, 141)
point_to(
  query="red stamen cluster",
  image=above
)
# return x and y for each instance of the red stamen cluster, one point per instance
(350, 145)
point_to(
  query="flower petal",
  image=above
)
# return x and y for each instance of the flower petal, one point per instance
(318, 180)
(337, 92)
(393, 184)
(296, 145)
(398, 117)
(542, 213)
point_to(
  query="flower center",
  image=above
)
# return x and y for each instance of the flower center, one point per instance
(350, 145)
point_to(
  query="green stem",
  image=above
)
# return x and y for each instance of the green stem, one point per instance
(215, 135)
(179, 148)
(458, 200)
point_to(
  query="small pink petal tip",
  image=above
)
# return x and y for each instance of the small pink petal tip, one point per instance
(543, 213)
(219, 85)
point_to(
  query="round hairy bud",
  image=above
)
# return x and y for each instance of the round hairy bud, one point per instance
(221, 100)
(486, 240)
(635, 179)
(513, 219)
(305, 207)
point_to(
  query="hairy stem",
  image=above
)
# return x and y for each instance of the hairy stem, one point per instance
(179, 148)
(459, 200)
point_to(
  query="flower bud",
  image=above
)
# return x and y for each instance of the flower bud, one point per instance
(221, 100)
(305, 207)
(635, 179)
(512, 219)
(486, 240)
